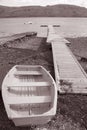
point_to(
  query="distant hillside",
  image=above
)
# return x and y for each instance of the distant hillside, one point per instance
(39, 11)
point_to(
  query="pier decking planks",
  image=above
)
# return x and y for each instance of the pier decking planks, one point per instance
(70, 76)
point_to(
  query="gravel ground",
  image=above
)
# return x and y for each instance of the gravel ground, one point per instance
(71, 109)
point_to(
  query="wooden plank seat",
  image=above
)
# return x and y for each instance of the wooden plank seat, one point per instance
(30, 100)
(31, 84)
(19, 73)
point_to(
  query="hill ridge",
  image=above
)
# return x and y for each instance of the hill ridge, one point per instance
(59, 10)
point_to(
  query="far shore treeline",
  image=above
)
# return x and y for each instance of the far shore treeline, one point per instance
(59, 10)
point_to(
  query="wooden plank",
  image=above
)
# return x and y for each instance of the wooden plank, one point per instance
(30, 100)
(28, 73)
(60, 61)
(75, 91)
(63, 75)
(60, 40)
(31, 84)
(81, 80)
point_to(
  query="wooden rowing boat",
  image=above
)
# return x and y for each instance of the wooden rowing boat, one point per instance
(29, 95)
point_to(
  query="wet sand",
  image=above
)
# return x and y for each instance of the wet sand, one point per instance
(71, 109)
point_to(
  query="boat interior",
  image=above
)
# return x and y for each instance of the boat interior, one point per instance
(31, 92)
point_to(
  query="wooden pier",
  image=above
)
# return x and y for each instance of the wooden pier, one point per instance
(70, 76)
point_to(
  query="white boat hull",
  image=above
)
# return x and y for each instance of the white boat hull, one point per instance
(30, 95)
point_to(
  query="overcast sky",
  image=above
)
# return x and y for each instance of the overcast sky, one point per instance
(42, 2)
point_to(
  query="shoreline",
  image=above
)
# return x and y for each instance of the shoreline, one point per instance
(78, 47)
(71, 109)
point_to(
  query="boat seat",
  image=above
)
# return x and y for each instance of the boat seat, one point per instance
(29, 100)
(19, 73)
(31, 84)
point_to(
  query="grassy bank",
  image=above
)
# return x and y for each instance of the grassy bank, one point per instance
(71, 109)
(79, 48)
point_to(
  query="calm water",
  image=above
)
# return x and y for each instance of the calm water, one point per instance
(70, 27)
